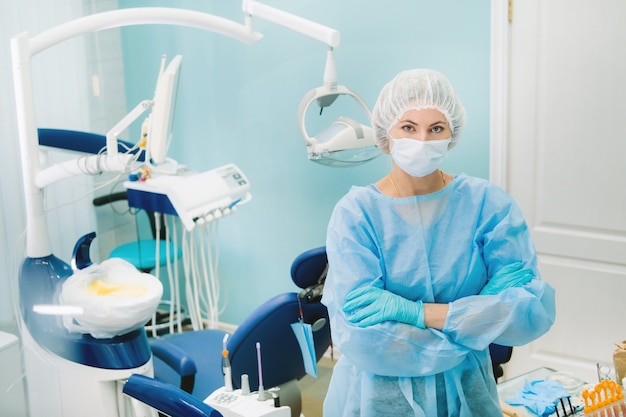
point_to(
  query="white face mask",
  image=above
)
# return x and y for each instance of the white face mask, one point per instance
(419, 158)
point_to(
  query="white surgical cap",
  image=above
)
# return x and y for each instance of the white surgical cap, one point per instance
(416, 89)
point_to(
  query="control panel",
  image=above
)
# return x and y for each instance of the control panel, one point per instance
(196, 198)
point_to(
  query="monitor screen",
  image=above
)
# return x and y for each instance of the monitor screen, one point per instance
(162, 118)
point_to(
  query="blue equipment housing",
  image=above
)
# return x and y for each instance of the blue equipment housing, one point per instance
(40, 282)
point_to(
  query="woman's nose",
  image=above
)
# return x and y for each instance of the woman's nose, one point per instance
(420, 135)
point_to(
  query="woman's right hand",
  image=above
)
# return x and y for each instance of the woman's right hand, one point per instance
(369, 305)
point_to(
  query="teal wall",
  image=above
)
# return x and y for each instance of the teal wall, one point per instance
(237, 103)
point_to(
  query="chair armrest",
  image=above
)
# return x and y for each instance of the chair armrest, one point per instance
(178, 360)
(167, 398)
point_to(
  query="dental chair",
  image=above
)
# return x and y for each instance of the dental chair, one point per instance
(499, 356)
(193, 359)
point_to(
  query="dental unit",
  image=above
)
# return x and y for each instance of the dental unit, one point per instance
(70, 373)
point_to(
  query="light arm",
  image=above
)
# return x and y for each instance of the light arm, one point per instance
(114, 133)
(314, 30)
(141, 16)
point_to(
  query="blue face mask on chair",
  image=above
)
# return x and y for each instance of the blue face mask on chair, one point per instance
(304, 335)
(419, 158)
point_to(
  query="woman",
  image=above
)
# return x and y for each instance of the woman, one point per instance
(426, 269)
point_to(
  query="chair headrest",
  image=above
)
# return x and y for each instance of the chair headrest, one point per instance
(309, 268)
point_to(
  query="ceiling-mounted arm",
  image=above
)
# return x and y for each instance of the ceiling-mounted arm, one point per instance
(325, 34)
(142, 16)
(307, 27)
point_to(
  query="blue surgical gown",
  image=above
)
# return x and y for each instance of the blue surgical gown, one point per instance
(438, 248)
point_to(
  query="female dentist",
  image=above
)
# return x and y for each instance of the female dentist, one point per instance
(426, 269)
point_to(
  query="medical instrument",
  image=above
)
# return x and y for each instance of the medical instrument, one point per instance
(228, 376)
(262, 395)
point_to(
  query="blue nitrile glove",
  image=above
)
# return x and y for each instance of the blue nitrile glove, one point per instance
(507, 277)
(371, 305)
(539, 396)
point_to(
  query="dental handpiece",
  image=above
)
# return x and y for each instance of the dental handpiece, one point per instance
(228, 377)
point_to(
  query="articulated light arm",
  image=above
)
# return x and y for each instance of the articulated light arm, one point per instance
(114, 133)
(298, 24)
(324, 34)
(142, 16)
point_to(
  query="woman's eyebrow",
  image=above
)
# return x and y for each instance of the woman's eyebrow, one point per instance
(416, 124)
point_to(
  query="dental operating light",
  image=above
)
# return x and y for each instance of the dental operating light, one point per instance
(345, 142)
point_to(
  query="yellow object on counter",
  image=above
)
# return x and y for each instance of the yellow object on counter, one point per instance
(604, 393)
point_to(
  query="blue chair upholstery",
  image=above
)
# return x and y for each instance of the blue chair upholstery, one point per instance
(270, 325)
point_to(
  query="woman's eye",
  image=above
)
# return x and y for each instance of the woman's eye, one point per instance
(407, 128)
(437, 129)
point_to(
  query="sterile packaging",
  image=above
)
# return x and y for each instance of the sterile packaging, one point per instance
(115, 298)
(619, 360)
